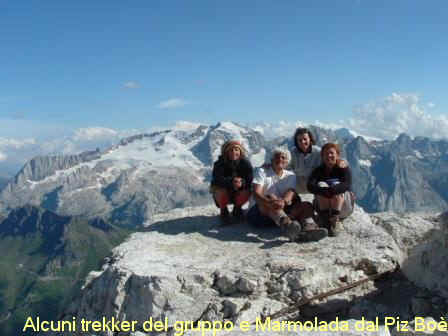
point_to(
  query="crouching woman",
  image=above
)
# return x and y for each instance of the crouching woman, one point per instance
(331, 186)
(231, 179)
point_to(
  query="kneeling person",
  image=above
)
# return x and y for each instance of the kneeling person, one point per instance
(277, 202)
(331, 184)
(231, 179)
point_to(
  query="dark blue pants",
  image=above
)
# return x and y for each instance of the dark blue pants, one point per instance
(256, 218)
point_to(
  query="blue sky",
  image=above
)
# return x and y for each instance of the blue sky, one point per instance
(138, 64)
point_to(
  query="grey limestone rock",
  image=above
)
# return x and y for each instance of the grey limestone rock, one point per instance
(185, 266)
(427, 265)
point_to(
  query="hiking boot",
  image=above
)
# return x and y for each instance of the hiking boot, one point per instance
(311, 231)
(322, 219)
(308, 224)
(334, 225)
(225, 216)
(284, 221)
(224, 212)
(291, 229)
(237, 213)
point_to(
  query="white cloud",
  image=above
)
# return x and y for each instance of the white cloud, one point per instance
(131, 85)
(384, 118)
(186, 125)
(398, 113)
(280, 128)
(329, 125)
(3, 156)
(16, 143)
(94, 133)
(87, 138)
(14, 152)
(172, 103)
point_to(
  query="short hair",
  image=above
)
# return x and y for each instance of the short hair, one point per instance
(281, 150)
(303, 130)
(328, 146)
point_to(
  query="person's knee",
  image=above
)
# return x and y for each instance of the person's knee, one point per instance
(221, 197)
(220, 191)
(302, 210)
(339, 197)
(337, 201)
(242, 197)
(323, 202)
(263, 210)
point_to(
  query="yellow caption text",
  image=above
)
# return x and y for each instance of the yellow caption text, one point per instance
(214, 327)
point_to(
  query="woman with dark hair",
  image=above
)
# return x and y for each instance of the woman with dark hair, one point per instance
(331, 184)
(231, 179)
(305, 157)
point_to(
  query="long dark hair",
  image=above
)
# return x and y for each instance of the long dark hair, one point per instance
(300, 131)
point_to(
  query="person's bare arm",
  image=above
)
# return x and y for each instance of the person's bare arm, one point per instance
(260, 198)
(288, 197)
(280, 203)
(342, 163)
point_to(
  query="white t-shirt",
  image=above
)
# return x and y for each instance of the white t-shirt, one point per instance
(274, 184)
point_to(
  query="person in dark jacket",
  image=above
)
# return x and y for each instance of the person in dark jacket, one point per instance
(331, 184)
(231, 179)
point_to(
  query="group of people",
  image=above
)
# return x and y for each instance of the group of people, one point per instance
(276, 187)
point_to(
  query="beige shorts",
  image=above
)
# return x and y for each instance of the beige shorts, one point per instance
(347, 207)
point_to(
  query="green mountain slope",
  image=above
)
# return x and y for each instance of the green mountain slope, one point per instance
(44, 258)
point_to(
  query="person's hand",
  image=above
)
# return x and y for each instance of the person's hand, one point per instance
(278, 204)
(342, 163)
(237, 183)
(274, 202)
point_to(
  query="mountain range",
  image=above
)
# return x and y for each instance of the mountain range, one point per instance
(151, 173)
(61, 215)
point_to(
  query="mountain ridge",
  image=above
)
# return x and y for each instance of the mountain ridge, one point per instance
(154, 172)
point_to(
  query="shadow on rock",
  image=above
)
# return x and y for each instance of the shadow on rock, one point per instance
(211, 226)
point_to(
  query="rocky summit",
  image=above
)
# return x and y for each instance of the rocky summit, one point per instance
(185, 266)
